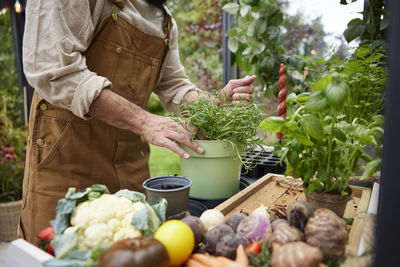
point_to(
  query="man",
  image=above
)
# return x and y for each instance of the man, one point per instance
(93, 65)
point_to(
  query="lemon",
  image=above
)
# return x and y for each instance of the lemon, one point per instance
(178, 239)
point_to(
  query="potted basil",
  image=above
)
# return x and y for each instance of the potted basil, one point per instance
(228, 130)
(321, 147)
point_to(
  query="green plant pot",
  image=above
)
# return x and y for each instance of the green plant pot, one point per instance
(214, 174)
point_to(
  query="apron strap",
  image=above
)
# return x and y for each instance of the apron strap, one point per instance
(167, 26)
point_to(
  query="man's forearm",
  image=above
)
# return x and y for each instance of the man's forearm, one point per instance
(115, 110)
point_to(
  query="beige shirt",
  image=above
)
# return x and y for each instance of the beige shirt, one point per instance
(58, 32)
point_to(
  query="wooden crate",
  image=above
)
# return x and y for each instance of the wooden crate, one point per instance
(277, 191)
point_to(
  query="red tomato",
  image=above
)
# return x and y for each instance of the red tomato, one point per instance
(254, 247)
(43, 239)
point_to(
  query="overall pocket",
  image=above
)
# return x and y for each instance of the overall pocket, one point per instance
(48, 136)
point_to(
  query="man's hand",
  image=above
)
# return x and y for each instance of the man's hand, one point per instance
(163, 131)
(115, 110)
(239, 90)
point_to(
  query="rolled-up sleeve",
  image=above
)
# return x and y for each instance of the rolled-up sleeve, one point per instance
(56, 35)
(174, 84)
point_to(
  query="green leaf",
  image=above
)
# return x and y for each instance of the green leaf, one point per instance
(349, 221)
(244, 10)
(131, 195)
(273, 32)
(231, 8)
(339, 135)
(267, 64)
(233, 44)
(317, 102)
(62, 244)
(161, 208)
(355, 22)
(146, 220)
(276, 18)
(302, 138)
(312, 126)
(322, 83)
(292, 156)
(337, 94)
(247, 51)
(303, 97)
(272, 124)
(243, 63)
(371, 168)
(67, 205)
(379, 120)
(260, 27)
(353, 32)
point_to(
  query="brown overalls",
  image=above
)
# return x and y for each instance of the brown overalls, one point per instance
(67, 151)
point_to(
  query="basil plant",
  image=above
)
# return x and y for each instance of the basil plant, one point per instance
(319, 145)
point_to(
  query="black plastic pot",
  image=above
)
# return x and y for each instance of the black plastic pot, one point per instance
(175, 189)
(196, 208)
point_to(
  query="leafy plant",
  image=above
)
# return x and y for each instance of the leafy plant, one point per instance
(321, 147)
(257, 40)
(221, 120)
(365, 72)
(372, 28)
(12, 159)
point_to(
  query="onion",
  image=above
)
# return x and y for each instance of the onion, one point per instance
(254, 227)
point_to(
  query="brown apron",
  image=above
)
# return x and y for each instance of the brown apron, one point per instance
(67, 151)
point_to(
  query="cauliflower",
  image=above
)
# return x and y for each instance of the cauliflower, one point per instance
(104, 220)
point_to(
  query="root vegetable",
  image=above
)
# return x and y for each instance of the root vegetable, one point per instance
(234, 220)
(197, 227)
(284, 234)
(296, 254)
(275, 223)
(298, 212)
(228, 244)
(263, 211)
(327, 231)
(211, 218)
(254, 227)
(213, 236)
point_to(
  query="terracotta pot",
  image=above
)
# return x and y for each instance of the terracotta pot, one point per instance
(334, 202)
(10, 213)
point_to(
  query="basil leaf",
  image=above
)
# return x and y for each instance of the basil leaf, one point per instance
(312, 126)
(272, 124)
(322, 83)
(303, 97)
(317, 102)
(336, 94)
(302, 138)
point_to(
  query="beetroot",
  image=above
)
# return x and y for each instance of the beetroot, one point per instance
(228, 244)
(234, 220)
(213, 236)
(197, 227)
